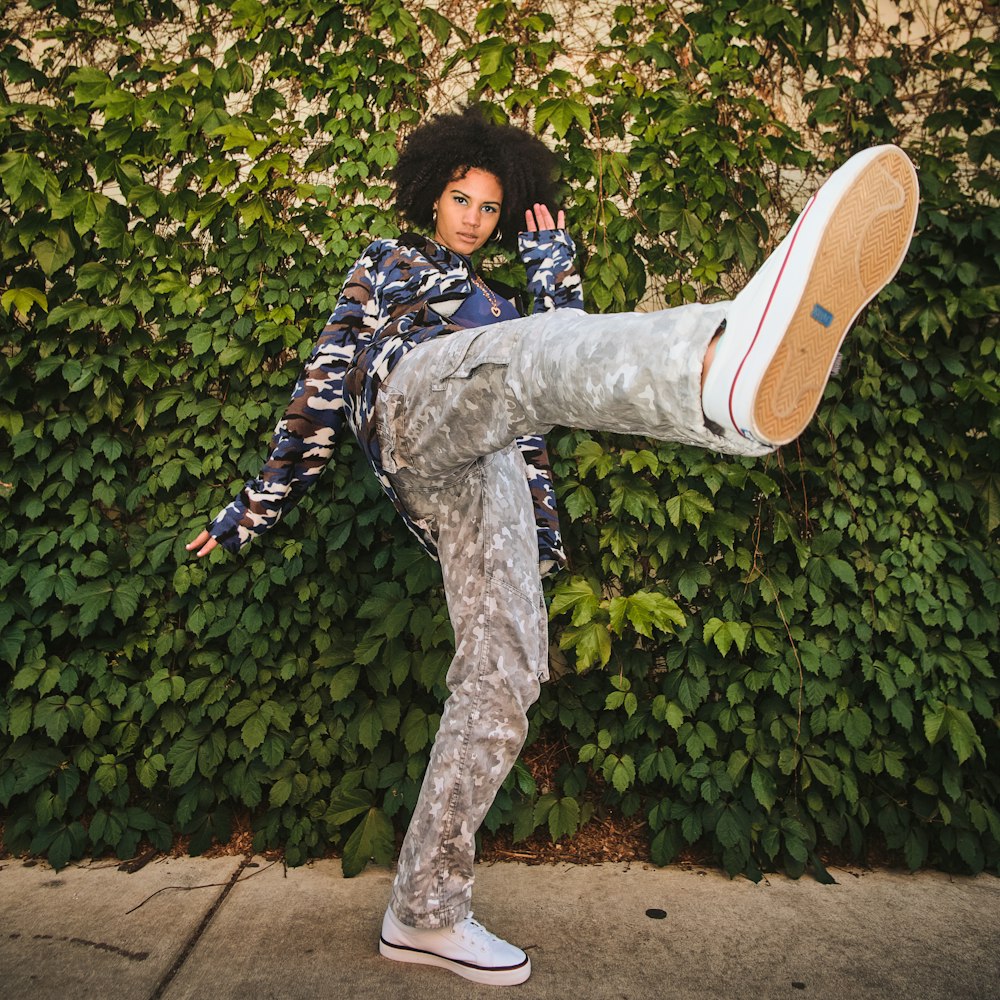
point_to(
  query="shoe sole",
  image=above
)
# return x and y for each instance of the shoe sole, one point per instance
(861, 250)
(507, 976)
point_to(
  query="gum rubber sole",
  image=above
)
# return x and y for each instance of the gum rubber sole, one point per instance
(861, 249)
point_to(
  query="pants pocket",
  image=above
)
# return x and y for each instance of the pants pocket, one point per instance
(462, 353)
(387, 409)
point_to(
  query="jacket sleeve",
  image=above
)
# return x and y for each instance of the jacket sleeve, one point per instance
(553, 283)
(303, 440)
(549, 259)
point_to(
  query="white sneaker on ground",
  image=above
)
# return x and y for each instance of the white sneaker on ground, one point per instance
(468, 949)
(784, 330)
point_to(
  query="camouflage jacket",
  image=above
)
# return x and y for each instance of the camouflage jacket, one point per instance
(400, 292)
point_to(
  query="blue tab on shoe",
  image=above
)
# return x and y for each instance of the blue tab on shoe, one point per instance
(821, 315)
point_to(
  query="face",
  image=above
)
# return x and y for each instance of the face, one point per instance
(468, 211)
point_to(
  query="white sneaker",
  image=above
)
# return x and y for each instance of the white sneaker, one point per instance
(467, 949)
(784, 330)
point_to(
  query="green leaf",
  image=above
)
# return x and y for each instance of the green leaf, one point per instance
(935, 722)
(964, 738)
(915, 848)
(235, 135)
(691, 827)
(147, 771)
(370, 727)
(561, 113)
(183, 759)
(37, 766)
(524, 824)
(92, 597)
(577, 595)
(592, 643)
(51, 714)
(820, 872)
(989, 500)
(688, 507)
(440, 26)
(280, 792)
(23, 300)
(254, 730)
(87, 84)
(19, 170)
(724, 634)
(53, 254)
(857, 727)
(89, 210)
(372, 839)
(764, 787)
(240, 712)
(68, 843)
(844, 572)
(415, 730)
(646, 611)
(346, 804)
(823, 772)
(564, 818)
(344, 682)
(125, 598)
(731, 828)
(620, 771)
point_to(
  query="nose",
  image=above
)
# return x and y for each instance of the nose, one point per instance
(470, 217)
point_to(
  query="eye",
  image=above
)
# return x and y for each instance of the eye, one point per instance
(458, 198)
(491, 209)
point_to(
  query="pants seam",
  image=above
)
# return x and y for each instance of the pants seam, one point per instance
(477, 699)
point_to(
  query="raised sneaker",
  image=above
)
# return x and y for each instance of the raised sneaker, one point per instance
(784, 330)
(468, 949)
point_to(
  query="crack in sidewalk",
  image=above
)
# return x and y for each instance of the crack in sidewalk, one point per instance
(196, 935)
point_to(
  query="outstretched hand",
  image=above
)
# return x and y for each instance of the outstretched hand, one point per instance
(204, 543)
(540, 218)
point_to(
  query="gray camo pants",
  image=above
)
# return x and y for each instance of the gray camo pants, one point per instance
(447, 420)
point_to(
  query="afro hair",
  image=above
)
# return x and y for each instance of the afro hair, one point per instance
(449, 145)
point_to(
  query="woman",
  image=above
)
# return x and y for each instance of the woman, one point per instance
(440, 381)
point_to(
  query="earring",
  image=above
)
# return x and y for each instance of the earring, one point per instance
(498, 235)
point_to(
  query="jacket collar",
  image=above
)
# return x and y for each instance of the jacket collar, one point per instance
(439, 254)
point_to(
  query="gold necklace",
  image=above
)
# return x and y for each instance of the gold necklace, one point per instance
(488, 292)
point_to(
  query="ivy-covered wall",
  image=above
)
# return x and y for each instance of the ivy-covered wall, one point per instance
(766, 658)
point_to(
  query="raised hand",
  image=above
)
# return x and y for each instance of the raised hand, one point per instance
(541, 218)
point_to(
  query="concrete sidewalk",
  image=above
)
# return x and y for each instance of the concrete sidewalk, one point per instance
(229, 929)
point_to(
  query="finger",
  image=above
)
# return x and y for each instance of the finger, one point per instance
(207, 547)
(544, 216)
(529, 221)
(561, 220)
(198, 541)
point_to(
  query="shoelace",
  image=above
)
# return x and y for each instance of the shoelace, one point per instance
(481, 935)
